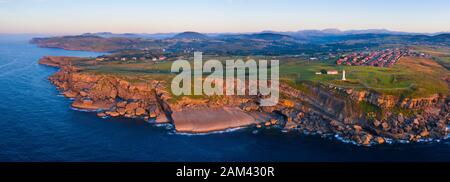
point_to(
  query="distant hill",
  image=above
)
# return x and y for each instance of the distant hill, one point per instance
(261, 36)
(264, 35)
(96, 43)
(441, 39)
(336, 32)
(131, 35)
(371, 38)
(266, 43)
(190, 35)
(445, 37)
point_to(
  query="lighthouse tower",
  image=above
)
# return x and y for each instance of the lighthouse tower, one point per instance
(343, 76)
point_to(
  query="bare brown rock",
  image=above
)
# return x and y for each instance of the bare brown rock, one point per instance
(87, 102)
(367, 138)
(357, 128)
(83, 94)
(70, 94)
(121, 111)
(162, 118)
(122, 104)
(131, 106)
(112, 113)
(380, 140)
(250, 107)
(424, 133)
(140, 111)
(288, 103)
(153, 110)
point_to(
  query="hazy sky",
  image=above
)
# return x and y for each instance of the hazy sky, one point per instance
(153, 16)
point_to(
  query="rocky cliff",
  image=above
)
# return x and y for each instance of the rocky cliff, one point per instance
(389, 101)
(336, 111)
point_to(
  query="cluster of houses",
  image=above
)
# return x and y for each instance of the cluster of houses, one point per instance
(383, 58)
(418, 54)
(144, 56)
(160, 58)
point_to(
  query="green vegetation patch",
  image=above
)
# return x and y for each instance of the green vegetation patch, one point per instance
(410, 77)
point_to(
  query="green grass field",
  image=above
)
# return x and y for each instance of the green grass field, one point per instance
(413, 77)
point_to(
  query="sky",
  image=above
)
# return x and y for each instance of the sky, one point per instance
(209, 16)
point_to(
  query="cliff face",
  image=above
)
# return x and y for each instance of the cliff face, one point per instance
(389, 101)
(325, 101)
(339, 111)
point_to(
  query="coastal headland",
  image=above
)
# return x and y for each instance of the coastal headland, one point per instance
(366, 89)
(361, 116)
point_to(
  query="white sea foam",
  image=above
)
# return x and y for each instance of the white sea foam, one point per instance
(211, 133)
(85, 110)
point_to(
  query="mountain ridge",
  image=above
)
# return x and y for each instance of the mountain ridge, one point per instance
(299, 33)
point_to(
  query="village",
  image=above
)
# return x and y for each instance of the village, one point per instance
(135, 56)
(381, 58)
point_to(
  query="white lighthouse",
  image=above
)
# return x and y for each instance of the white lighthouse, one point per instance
(343, 76)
